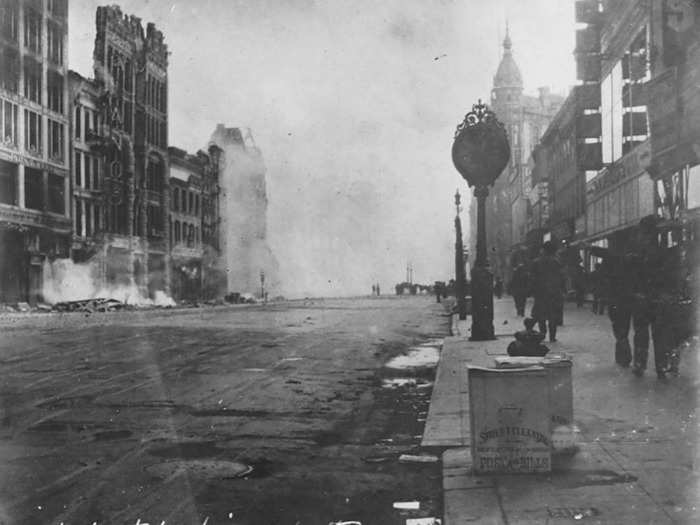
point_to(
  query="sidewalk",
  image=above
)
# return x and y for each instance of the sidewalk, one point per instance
(638, 437)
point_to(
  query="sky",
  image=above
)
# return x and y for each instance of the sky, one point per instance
(354, 104)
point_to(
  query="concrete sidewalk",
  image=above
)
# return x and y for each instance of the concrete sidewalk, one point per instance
(638, 437)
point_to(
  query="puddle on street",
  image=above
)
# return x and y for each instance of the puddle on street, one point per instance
(417, 357)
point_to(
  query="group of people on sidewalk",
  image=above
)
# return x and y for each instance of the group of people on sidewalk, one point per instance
(641, 287)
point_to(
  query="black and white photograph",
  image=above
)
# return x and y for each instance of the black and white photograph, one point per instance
(349, 262)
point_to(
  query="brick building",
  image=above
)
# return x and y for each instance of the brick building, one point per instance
(35, 222)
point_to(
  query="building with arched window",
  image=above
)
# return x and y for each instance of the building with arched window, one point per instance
(119, 161)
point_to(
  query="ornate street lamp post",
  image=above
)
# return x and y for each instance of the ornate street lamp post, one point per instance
(460, 277)
(480, 153)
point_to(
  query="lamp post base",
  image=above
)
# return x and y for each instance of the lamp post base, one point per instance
(482, 305)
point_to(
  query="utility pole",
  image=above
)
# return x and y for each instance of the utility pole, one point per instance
(460, 277)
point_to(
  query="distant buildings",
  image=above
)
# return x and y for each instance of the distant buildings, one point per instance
(623, 145)
(509, 203)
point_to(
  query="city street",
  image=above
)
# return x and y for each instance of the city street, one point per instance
(282, 413)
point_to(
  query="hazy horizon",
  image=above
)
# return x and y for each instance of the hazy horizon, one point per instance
(354, 106)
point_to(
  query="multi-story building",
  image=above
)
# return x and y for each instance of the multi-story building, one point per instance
(621, 192)
(196, 267)
(87, 165)
(120, 162)
(35, 222)
(250, 264)
(509, 203)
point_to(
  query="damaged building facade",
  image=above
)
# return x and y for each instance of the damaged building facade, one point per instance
(119, 126)
(250, 265)
(195, 257)
(90, 205)
(35, 225)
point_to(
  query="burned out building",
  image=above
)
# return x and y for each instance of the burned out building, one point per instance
(35, 222)
(119, 159)
(250, 265)
(196, 267)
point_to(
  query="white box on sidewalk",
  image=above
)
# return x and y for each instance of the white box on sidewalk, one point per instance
(561, 393)
(509, 416)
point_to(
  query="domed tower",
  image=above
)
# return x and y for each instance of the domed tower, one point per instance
(507, 83)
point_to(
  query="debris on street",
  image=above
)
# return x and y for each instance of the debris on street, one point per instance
(90, 305)
(407, 505)
(410, 458)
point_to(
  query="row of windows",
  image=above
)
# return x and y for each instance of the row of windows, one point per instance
(40, 193)
(85, 120)
(623, 109)
(156, 94)
(86, 219)
(184, 201)
(8, 122)
(184, 233)
(156, 132)
(86, 171)
(33, 80)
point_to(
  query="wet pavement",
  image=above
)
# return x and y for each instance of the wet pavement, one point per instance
(287, 413)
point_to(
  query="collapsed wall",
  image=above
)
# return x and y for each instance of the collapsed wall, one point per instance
(246, 255)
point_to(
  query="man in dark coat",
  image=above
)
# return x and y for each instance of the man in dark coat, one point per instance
(520, 288)
(618, 274)
(548, 286)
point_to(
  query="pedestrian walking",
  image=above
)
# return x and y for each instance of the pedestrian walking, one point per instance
(374, 290)
(579, 279)
(598, 289)
(498, 287)
(520, 288)
(653, 292)
(547, 285)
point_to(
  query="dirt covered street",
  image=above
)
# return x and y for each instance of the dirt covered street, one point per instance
(287, 413)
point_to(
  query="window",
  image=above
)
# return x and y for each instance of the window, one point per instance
(57, 8)
(78, 123)
(8, 19)
(86, 113)
(78, 169)
(32, 30)
(8, 183)
(623, 107)
(9, 65)
(196, 204)
(55, 43)
(96, 212)
(56, 194)
(32, 80)
(176, 199)
(183, 201)
(95, 173)
(56, 139)
(78, 217)
(190, 208)
(55, 89)
(33, 189)
(32, 131)
(177, 232)
(8, 122)
(87, 165)
(88, 220)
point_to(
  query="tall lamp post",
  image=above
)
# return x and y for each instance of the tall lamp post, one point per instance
(480, 153)
(460, 277)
